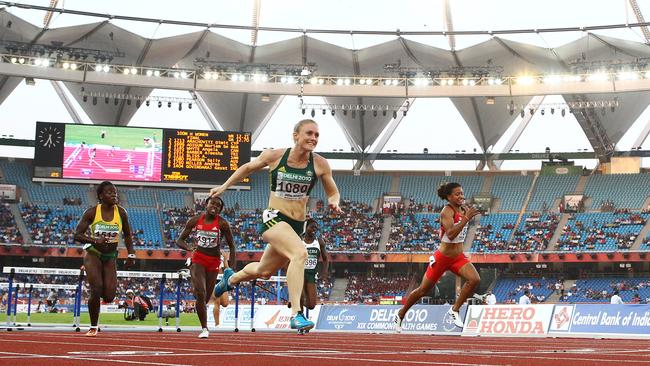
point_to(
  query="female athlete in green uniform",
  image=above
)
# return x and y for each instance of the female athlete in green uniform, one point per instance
(315, 249)
(293, 173)
(106, 221)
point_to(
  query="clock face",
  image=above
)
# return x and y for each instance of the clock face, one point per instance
(49, 137)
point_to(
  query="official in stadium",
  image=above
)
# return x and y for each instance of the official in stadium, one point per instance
(294, 172)
(453, 229)
(210, 228)
(99, 229)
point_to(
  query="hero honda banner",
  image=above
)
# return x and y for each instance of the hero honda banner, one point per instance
(601, 319)
(508, 320)
(432, 318)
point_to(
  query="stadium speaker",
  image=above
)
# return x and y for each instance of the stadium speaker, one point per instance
(626, 255)
(610, 255)
(382, 255)
(367, 255)
(26, 249)
(593, 255)
(642, 255)
(43, 250)
(183, 253)
(149, 252)
(333, 255)
(561, 255)
(350, 255)
(8, 248)
(512, 256)
(528, 256)
(79, 251)
(166, 252)
(579, 255)
(250, 254)
(545, 255)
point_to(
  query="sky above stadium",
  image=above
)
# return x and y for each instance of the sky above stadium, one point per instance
(437, 114)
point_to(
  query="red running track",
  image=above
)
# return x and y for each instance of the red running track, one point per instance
(315, 349)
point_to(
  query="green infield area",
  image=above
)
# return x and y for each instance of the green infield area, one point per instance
(120, 137)
(108, 318)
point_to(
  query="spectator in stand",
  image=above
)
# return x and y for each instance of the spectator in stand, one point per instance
(616, 299)
(525, 298)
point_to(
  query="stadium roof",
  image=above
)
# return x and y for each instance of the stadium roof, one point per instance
(180, 46)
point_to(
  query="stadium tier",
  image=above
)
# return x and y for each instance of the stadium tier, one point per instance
(419, 232)
(493, 233)
(511, 190)
(600, 290)
(603, 231)
(550, 189)
(623, 190)
(424, 188)
(8, 231)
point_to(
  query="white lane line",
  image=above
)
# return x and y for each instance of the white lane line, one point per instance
(91, 359)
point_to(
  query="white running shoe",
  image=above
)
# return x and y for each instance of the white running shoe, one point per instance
(456, 317)
(205, 333)
(398, 323)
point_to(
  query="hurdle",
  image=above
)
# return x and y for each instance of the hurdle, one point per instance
(13, 288)
(254, 284)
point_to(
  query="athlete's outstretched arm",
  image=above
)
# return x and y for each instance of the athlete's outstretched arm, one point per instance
(265, 158)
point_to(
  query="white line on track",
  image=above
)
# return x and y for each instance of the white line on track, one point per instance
(90, 359)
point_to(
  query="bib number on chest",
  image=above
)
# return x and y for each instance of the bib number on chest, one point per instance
(311, 263)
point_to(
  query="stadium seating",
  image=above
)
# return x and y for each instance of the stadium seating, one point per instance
(548, 188)
(139, 197)
(8, 231)
(509, 290)
(625, 190)
(171, 197)
(494, 232)
(602, 231)
(364, 188)
(145, 223)
(255, 198)
(414, 232)
(601, 289)
(424, 188)
(356, 229)
(512, 190)
(51, 225)
(534, 232)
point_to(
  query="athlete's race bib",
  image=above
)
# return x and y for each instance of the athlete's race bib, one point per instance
(110, 232)
(311, 263)
(292, 186)
(207, 238)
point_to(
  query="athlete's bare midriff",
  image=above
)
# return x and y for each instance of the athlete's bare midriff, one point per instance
(450, 249)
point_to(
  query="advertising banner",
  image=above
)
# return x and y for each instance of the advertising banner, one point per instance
(278, 316)
(601, 319)
(508, 320)
(420, 318)
(227, 316)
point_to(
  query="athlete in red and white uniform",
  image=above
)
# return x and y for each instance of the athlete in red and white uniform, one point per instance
(453, 229)
(206, 256)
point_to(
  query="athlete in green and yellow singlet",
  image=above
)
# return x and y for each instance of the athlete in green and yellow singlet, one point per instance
(99, 230)
(293, 172)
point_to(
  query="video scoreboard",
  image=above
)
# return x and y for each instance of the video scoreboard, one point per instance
(73, 152)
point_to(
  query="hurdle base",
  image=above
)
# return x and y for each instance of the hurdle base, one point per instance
(253, 330)
(160, 330)
(236, 330)
(178, 330)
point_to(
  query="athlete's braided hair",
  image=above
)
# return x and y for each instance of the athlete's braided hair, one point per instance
(101, 186)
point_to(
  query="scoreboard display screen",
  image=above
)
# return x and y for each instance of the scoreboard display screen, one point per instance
(133, 154)
(203, 156)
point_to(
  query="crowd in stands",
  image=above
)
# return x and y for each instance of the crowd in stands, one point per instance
(414, 233)
(8, 231)
(632, 290)
(490, 238)
(49, 226)
(509, 290)
(585, 236)
(368, 288)
(357, 228)
(535, 234)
